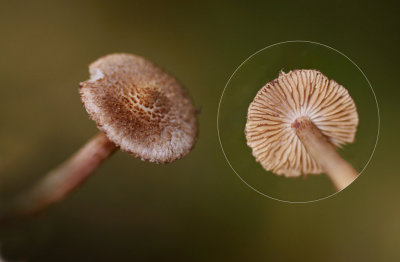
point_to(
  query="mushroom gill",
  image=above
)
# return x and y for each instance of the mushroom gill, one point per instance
(271, 120)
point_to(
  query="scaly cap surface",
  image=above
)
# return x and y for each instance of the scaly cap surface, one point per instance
(141, 108)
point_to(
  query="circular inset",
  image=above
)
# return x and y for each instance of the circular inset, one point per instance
(248, 84)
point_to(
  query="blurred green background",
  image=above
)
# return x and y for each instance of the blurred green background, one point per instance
(195, 209)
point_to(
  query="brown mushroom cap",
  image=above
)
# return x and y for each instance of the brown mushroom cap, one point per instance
(299, 93)
(141, 108)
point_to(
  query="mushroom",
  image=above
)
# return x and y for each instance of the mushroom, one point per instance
(295, 123)
(138, 108)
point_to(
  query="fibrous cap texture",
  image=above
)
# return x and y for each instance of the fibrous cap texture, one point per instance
(141, 108)
(299, 93)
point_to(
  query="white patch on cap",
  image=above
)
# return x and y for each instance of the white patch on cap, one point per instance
(95, 74)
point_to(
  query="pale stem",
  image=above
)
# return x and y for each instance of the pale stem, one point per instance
(56, 184)
(324, 153)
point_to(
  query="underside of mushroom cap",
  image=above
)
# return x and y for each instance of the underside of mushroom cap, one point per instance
(141, 108)
(277, 105)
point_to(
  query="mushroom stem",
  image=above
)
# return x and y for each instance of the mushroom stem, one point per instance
(324, 153)
(62, 180)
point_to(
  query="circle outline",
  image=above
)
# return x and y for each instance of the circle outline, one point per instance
(222, 95)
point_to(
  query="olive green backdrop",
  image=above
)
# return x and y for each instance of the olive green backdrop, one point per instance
(195, 209)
